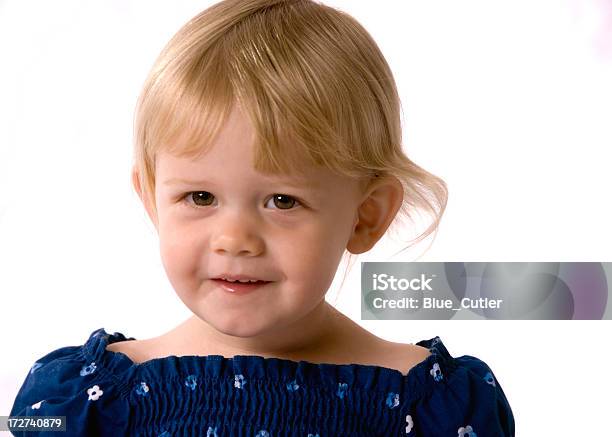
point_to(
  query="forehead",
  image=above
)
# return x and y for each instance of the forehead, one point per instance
(230, 157)
(174, 170)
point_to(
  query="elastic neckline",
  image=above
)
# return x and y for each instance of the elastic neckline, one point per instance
(128, 374)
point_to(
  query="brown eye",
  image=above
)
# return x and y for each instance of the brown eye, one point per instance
(201, 198)
(282, 201)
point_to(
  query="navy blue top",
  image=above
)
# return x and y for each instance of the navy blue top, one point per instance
(104, 393)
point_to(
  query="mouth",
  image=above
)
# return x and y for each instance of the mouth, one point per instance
(241, 281)
(239, 287)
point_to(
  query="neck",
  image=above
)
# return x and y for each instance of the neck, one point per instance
(305, 338)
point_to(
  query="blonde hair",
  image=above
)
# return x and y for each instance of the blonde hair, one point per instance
(313, 82)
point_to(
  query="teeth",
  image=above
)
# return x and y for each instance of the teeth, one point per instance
(241, 280)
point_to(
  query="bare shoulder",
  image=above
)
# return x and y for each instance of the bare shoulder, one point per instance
(138, 351)
(401, 356)
(147, 349)
(360, 346)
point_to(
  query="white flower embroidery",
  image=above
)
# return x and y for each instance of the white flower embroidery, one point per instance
(489, 379)
(88, 369)
(94, 393)
(142, 389)
(36, 406)
(466, 432)
(293, 386)
(393, 400)
(436, 372)
(410, 424)
(239, 381)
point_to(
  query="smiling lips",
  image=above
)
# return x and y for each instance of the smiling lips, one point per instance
(242, 281)
(240, 287)
(241, 278)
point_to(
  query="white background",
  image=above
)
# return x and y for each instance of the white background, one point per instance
(507, 101)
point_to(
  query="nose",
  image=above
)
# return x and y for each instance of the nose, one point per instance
(235, 237)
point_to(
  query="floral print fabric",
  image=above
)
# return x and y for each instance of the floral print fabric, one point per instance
(104, 393)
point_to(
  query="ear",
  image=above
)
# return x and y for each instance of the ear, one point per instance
(375, 213)
(144, 199)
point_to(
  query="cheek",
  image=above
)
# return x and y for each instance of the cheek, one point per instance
(179, 255)
(311, 256)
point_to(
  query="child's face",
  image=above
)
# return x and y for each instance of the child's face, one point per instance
(232, 224)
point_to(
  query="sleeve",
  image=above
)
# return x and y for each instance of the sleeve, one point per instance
(64, 383)
(470, 403)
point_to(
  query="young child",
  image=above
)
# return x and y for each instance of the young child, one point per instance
(252, 104)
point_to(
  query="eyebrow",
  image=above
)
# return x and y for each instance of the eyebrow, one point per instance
(173, 181)
(292, 183)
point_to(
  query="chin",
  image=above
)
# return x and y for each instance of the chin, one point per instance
(238, 325)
